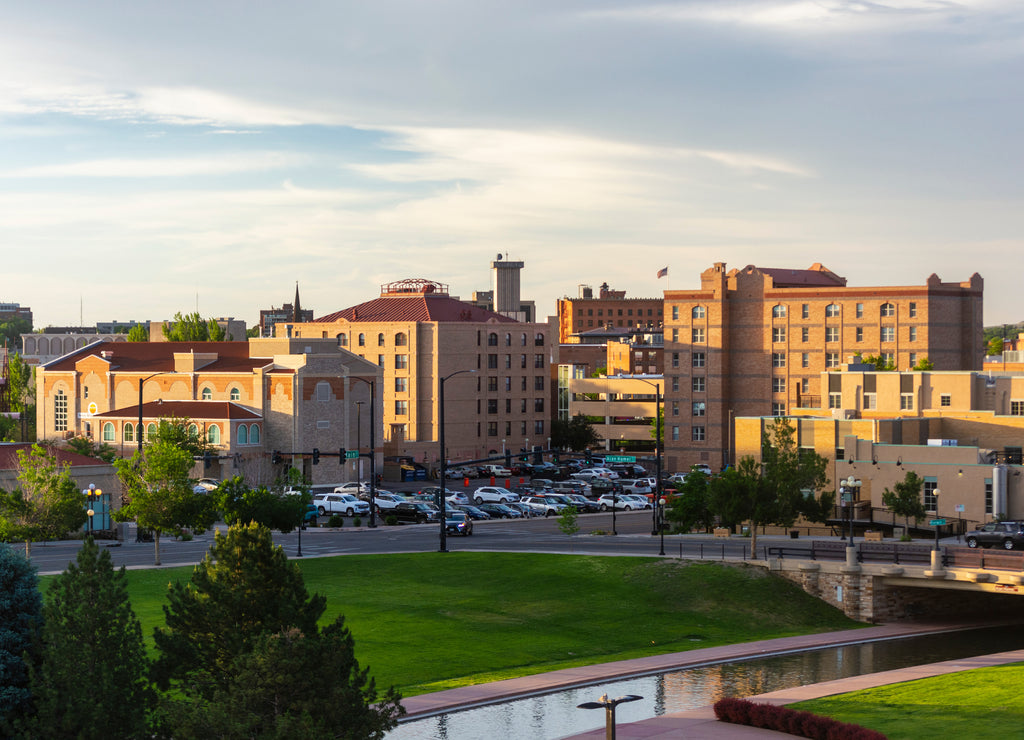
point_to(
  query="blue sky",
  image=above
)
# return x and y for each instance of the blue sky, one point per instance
(159, 157)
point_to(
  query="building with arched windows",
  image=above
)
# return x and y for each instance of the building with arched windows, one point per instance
(245, 399)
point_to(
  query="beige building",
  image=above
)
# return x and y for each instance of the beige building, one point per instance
(498, 388)
(759, 342)
(624, 404)
(246, 399)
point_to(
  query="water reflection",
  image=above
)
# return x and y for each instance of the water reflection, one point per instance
(555, 715)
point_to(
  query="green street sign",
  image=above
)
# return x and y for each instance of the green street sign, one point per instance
(937, 522)
(351, 454)
(620, 458)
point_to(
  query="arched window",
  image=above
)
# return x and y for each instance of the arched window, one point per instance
(342, 340)
(538, 339)
(380, 340)
(888, 309)
(492, 340)
(523, 341)
(254, 434)
(778, 312)
(400, 340)
(508, 340)
(207, 394)
(128, 434)
(150, 430)
(193, 431)
(697, 312)
(213, 434)
(242, 434)
(236, 395)
(362, 340)
(108, 431)
(832, 310)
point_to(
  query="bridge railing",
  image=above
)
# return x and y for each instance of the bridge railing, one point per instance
(988, 560)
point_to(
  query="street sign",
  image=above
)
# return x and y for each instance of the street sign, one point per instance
(620, 458)
(959, 508)
(351, 454)
(936, 522)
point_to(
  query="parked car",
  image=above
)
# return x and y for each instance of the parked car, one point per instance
(589, 474)
(312, 516)
(544, 505)
(583, 504)
(523, 509)
(500, 511)
(571, 486)
(340, 503)
(207, 484)
(545, 470)
(496, 471)
(456, 497)
(475, 512)
(602, 486)
(614, 501)
(521, 467)
(635, 485)
(431, 492)
(460, 471)
(418, 512)
(458, 522)
(1007, 535)
(642, 502)
(386, 501)
(353, 487)
(542, 484)
(493, 494)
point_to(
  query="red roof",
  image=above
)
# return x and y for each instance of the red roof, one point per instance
(159, 356)
(9, 456)
(817, 276)
(416, 307)
(183, 410)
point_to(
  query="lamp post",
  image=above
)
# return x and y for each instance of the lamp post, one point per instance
(443, 457)
(661, 526)
(849, 488)
(92, 493)
(373, 445)
(138, 430)
(608, 705)
(359, 438)
(935, 493)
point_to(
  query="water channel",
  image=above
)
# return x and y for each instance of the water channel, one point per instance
(553, 716)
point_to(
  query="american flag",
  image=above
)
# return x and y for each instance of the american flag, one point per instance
(662, 272)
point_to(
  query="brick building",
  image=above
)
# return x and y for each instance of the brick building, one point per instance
(417, 333)
(758, 341)
(610, 308)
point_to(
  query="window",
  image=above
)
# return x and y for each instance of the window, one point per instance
(675, 312)
(254, 434)
(888, 333)
(906, 401)
(913, 359)
(323, 391)
(60, 412)
(675, 335)
(380, 340)
(778, 385)
(492, 362)
(1016, 408)
(522, 428)
(675, 359)
(508, 340)
(236, 395)
(400, 340)
(538, 383)
(492, 383)
(912, 310)
(342, 340)
(697, 312)
(697, 336)
(805, 334)
(538, 361)
(697, 433)
(508, 428)
(193, 432)
(805, 385)
(207, 394)
(538, 405)
(508, 408)
(805, 359)
(700, 408)
(947, 400)
(401, 362)
(492, 340)
(508, 362)
(151, 431)
(522, 361)
(523, 379)
(870, 401)
(835, 400)
(129, 432)
(698, 359)
(778, 409)
(492, 405)
(85, 391)
(380, 360)
(492, 429)
(508, 382)
(778, 334)
(108, 431)
(522, 339)
(887, 310)
(213, 434)
(805, 311)
(831, 333)
(538, 426)
(931, 500)
(522, 405)
(860, 310)
(675, 434)
(778, 312)
(697, 384)
(778, 359)
(675, 384)
(362, 340)
(538, 339)
(401, 385)
(859, 334)
(832, 310)
(675, 408)
(402, 407)
(242, 434)
(913, 334)
(887, 359)
(831, 359)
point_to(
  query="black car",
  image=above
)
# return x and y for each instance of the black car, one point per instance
(500, 511)
(458, 522)
(1007, 535)
(474, 512)
(414, 511)
(601, 486)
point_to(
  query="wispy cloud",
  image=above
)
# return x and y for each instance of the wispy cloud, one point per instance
(165, 167)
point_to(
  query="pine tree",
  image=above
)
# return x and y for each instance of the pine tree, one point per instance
(20, 618)
(91, 681)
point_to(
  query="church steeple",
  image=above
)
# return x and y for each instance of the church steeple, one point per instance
(296, 307)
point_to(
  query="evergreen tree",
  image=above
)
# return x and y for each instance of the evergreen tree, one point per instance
(91, 681)
(20, 618)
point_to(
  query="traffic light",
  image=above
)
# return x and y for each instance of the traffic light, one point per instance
(316, 455)
(341, 456)
(590, 458)
(555, 457)
(508, 459)
(275, 458)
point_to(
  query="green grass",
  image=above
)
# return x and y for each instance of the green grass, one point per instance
(430, 621)
(981, 704)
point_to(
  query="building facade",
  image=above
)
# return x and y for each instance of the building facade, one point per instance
(622, 409)
(758, 342)
(610, 308)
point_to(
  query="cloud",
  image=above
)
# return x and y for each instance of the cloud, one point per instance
(165, 167)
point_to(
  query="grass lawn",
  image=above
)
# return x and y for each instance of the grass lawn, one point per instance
(982, 704)
(429, 621)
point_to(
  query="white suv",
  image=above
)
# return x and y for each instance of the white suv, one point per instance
(494, 495)
(340, 503)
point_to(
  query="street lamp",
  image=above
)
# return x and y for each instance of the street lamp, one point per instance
(849, 488)
(935, 493)
(661, 526)
(444, 458)
(138, 430)
(373, 445)
(359, 437)
(92, 493)
(608, 705)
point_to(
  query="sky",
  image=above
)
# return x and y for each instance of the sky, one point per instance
(165, 157)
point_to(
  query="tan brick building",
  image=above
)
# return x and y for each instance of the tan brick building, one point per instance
(610, 308)
(245, 398)
(756, 342)
(416, 333)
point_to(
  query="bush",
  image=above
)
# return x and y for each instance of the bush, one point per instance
(357, 521)
(391, 521)
(336, 520)
(784, 719)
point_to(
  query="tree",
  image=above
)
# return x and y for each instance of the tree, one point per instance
(568, 521)
(11, 331)
(85, 446)
(241, 504)
(575, 434)
(214, 331)
(180, 433)
(923, 365)
(91, 680)
(880, 363)
(47, 505)
(905, 498)
(193, 328)
(158, 493)
(138, 333)
(995, 346)
(20, 617)
(690, 508)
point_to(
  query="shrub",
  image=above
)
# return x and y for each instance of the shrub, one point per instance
(784, 719)
(357, 521)
(336, 520)
(391, 521)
